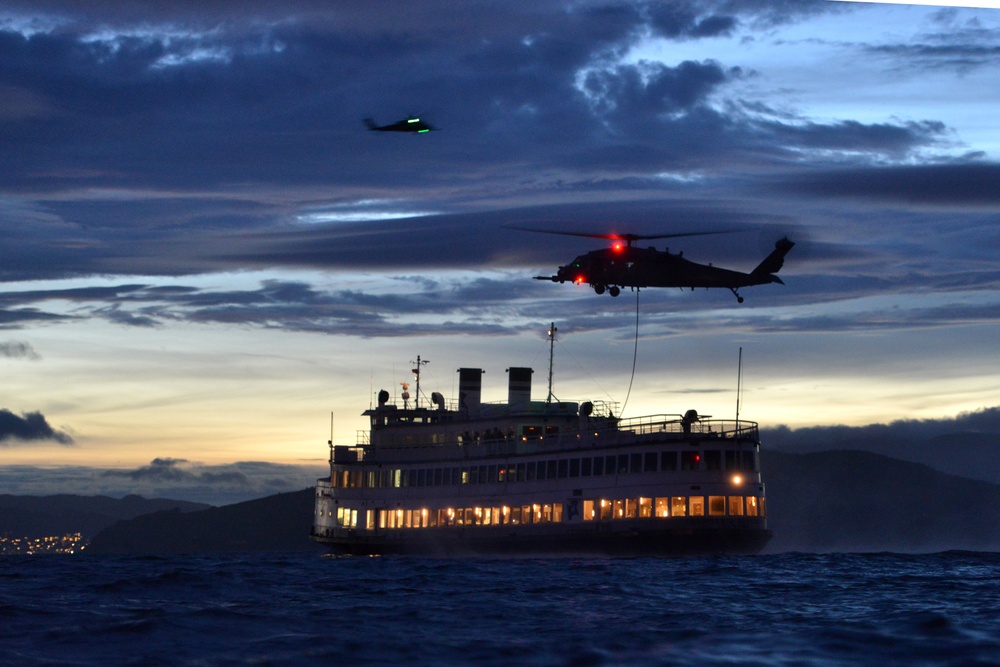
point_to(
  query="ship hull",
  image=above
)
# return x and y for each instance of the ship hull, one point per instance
(623, 539)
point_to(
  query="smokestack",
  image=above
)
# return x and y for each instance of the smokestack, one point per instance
(519, 386)
(470, 390)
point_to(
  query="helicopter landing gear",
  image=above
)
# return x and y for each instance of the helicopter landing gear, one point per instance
(614, 290)
(739, 299)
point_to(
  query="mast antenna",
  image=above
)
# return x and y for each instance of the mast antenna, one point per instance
(330, 442)
(416, 373)
(739, 384)
(552, 343)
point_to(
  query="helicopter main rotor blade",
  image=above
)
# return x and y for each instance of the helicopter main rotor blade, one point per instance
(620, 237)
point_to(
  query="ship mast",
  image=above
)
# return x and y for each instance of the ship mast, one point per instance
(739, 385)
(552, 343)
(416, 374)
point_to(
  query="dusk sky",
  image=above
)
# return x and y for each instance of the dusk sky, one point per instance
(204, 253)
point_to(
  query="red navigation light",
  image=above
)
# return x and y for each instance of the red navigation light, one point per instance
(618, 246)
(580, 279)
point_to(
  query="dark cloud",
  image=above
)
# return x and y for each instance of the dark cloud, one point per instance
(951, 55)
(272, 102)
(878, 319)
(16, 349)
(963, 185)
(29, 427)
(769, 13)
(853, 137)
(118, 315)
(74, 294)
(674, 20)
(961, 44)
(159, 469)
(12, 319)
(649, 89)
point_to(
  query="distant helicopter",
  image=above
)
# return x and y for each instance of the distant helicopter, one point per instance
(623, 265)
(410, 124)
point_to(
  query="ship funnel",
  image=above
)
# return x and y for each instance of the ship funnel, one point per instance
(519, 386)
(470, 390)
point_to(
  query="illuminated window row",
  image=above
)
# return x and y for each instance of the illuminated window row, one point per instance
(465, 516)
(640, 508)
(529, 471)
(452, 516)
(592, 510)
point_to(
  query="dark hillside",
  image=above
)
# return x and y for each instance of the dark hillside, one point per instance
(859, 501)
(40, 516)
(975, 455)
(277, 523)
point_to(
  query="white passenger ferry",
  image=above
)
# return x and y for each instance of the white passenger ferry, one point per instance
(465, 477)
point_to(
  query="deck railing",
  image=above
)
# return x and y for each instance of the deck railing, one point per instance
(598, 433)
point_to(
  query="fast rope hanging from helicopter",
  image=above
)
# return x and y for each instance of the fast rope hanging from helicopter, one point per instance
(635, 354)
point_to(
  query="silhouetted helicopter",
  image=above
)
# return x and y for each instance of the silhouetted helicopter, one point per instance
(623, 265)
(411, 124)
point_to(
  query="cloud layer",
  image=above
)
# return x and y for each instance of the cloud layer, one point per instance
(204, 166)
(165, 477)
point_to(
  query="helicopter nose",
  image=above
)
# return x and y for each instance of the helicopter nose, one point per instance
(563, 274)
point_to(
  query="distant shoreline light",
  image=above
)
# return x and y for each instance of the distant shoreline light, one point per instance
(975, 4)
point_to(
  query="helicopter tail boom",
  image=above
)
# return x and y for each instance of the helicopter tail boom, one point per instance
(773, 262)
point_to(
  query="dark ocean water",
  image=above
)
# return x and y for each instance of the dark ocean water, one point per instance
(787, 609)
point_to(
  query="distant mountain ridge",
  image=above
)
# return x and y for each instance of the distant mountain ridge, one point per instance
(61, 514)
